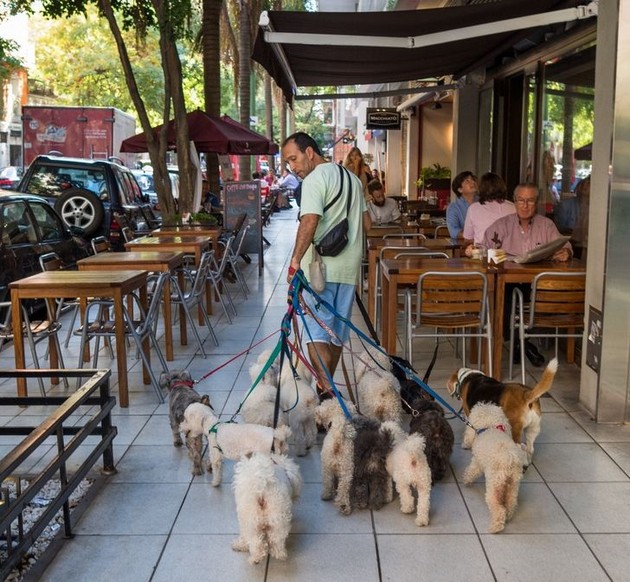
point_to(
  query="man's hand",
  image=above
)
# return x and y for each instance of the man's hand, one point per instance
(294, 266)
(468, 251)
(562, 255)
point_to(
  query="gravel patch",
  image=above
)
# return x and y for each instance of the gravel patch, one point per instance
(31, 513)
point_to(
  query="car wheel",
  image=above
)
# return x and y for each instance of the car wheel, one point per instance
(81, 208)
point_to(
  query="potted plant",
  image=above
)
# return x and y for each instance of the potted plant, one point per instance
(435, 177)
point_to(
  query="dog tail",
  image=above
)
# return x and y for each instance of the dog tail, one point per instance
(544, 385)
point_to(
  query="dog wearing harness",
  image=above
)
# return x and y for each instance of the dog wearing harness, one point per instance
(230, 440)
(499, 458)
(520, 403)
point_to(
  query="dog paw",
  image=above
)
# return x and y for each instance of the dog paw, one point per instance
(239, 545)
(326, 496)
(496, 527)
(345, 509)
(178, 443)
(421, 522)
(197, 471)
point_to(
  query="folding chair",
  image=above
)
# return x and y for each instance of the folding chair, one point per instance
(556, 303)
(139, 326)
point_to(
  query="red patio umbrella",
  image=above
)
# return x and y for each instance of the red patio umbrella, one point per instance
(210, 134)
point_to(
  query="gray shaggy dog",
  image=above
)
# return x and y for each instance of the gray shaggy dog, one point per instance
(370, 480)
(428, 420)
(180, 395)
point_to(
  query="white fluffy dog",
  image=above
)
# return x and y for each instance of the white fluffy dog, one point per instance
(337, 457)
(231, 440)
(497, 456)
(264, 489)
(378, 390)
(408, 467)
(297, 402)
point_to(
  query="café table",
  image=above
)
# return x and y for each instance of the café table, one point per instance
(193, 245)
(190, 231)
(396, 273)
(153, 262)
(510, 272)
(374, 246)
(72, 284)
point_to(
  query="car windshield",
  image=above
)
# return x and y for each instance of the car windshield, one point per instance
(53, 181)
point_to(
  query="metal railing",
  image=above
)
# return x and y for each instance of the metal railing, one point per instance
(18, 464)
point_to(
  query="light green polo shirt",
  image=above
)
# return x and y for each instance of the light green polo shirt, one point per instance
(318, 189)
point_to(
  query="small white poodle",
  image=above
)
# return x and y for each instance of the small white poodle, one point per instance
(231, 440)
(337, 456)
(408, 467)
(378, 390)
(264, 489)
(499, 458)
(297, 405)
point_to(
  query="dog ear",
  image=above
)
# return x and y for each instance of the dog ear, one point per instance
(205, 399)
(165, 380)
(185, 375)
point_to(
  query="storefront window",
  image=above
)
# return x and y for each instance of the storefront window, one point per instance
(567, 124)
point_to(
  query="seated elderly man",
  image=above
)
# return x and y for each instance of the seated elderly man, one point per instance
(517, 234)
(381, 209)
(522, 232)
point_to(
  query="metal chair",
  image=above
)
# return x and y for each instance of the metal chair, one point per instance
(52, 262)
(140, 326)
(441, 231)
(386, 252)
(556, 303)
(233, 256)
(216, 274)
(195, 297)
(453, 304)
(127, 233)
(35, 331)
(100, 245)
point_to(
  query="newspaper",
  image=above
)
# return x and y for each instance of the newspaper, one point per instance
(541, 252)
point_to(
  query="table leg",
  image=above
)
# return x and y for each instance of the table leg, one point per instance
(389, 306)
(53, 353)
(121, 349)
(372, 286)
(146, 343)
(183, 334)
(168, 321)
(82, 312)
(499, 302)
(18, 340)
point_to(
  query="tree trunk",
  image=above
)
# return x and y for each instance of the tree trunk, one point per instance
(244, 54)
(157, 146)
(212, 77)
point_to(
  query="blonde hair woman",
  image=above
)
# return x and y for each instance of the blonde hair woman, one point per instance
(356, 164)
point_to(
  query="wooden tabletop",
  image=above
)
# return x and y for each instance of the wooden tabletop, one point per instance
(166, 240)
(147, 260)
(82, 284)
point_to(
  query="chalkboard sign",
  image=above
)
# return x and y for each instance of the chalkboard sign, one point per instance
(239, 198)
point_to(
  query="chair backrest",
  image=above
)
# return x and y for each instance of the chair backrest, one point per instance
(241, 240)
(441, 231)
(154, 305)
(127, 233)
(413, 235)
(227, 247)
(557, 300)
(100, 245)
(198, 287)
(50, 262)
(422, 253)
(238, 225)
(452, 299)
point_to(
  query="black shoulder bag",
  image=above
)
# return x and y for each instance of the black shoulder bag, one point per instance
(336, 239)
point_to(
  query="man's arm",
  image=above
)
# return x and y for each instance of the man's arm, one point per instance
(367, 222)
(304, 237)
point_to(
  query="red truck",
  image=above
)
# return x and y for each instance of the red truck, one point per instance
(73, 131)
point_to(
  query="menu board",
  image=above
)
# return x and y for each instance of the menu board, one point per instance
(239, 198)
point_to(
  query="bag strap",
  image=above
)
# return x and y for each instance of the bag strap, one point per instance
(332, 202)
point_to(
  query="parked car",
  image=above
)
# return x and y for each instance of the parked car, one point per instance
(98, 196)
(10, 177)
(29, 228)
(144, 177)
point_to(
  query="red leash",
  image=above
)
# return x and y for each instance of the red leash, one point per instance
(235, 357)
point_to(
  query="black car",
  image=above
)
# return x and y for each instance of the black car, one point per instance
(98, 196)
(29, 228)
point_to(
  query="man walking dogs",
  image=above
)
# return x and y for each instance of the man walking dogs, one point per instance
(325, 203)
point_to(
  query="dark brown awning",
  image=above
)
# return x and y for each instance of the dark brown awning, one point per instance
(333, 65)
